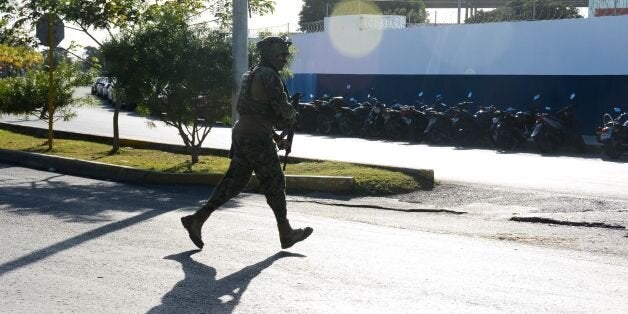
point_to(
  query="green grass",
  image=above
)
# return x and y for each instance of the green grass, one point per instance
(368, 180)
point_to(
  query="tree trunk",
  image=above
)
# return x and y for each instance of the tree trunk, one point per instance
(116, 132)
(194, 153)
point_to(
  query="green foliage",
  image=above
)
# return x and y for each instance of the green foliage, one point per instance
(14, 30)
(316, 10)
(176, 72)
(28, 94)
(14, 59)
(92, 58)
(168, 64)
(24, 95)
(223, 9)
(526, 10)
(369, 180)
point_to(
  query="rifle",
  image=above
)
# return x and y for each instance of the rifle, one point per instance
(294, 101)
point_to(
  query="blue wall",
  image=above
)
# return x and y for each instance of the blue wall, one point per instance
(595, 94)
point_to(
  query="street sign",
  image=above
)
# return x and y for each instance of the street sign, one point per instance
(42, 29)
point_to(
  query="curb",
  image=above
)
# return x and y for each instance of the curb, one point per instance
(97, 170)
(102, 171)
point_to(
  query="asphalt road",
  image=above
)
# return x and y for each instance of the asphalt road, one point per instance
(79, 245)
(585, 174)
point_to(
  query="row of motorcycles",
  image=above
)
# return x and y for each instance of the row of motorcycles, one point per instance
(462, 124)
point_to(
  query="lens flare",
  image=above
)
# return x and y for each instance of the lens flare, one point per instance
(354, 31)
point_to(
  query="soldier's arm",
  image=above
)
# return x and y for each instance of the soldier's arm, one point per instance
(276, 96)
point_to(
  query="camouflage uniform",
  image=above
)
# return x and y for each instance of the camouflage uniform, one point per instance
(253, 147)
(263, 105)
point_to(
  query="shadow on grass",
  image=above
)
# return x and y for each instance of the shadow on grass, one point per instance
(41, 148)
(200, 292)
(183, 167)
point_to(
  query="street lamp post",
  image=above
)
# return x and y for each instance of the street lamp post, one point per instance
(240, 51)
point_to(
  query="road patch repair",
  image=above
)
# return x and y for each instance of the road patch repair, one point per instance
(376, 203)
(97, 170)
(524, 206)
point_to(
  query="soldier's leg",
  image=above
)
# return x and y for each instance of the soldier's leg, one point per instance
(234, 181)
(273, 184)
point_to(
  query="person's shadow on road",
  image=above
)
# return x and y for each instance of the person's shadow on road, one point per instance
(200, 292)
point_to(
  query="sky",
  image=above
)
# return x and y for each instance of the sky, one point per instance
(285, 19)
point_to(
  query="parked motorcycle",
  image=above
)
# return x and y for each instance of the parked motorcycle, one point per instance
(393, 127)
(471, 128)
(414, 123)
(554, 130)
(326, 121)
(350, 120)
(511, 128)
(308, 112)
(613, 135)
(439, 128)
(373, 125)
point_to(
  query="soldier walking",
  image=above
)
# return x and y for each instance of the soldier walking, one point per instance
(263, 105)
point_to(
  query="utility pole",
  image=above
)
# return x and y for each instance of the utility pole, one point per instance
(51, 77)
(459, 10)
(49, 31)
(240, 51)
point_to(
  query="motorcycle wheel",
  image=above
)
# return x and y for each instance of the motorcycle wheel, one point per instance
(435, 137)
(613, 149)
(393, 131)
(504, 141)
(415, 135)
(544, 143)
(345, 128)
(462, 138)
(324, 124)
(579, 144)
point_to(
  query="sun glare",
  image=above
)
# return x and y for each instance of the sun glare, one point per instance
(352, 31)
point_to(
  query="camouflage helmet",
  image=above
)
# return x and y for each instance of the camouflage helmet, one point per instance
(273, 44)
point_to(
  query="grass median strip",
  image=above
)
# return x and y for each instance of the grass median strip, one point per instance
(368, 180)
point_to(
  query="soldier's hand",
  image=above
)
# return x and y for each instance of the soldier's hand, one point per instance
(283, 144)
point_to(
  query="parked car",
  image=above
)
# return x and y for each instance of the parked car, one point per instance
(109, 90)
(118, 96)
(95, 85)
(101, 86)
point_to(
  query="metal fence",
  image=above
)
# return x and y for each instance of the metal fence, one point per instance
(313, 27)
(608, 7)
(532, 11)
(277, 29)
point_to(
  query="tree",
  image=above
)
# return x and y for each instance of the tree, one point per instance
(316, 10)
(13, 60)
(13, 25)
(179, 73)
(526, 10)
(92, 58)
(28, 94)
(119, 14)
(127, 14)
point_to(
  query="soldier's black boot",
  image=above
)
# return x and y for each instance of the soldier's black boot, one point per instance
(194, 223)
(288, 236)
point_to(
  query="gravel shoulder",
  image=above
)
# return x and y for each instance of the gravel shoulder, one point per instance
(535, 217)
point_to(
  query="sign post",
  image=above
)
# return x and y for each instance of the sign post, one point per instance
(50, 33)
